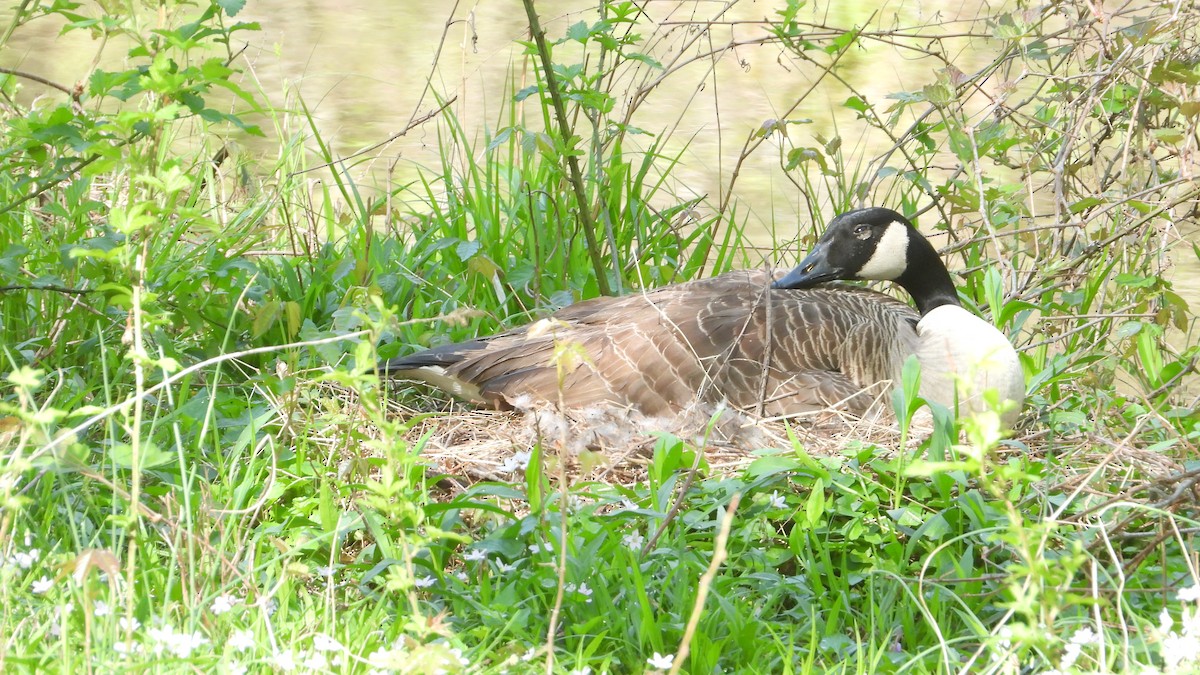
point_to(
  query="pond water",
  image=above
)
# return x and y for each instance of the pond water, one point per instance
(362, 69)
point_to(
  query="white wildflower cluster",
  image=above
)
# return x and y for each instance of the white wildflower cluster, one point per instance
(223, 603)
(285, 661)
(535, 548)
(326, 654)
(436, 657)
(581, 589)
(22, 559)
(181, 644)
(386, 659)
(127, 647)
(1082, 637)
(324, 643)
(1181, 648)
(241, 640)
(457, 655)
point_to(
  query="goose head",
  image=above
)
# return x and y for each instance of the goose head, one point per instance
(876, 244)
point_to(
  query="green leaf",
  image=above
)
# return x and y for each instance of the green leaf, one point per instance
(644, 58)
(769, 466)
(534, 489)
(231, 7)
(466, 249)
(327, 509)
(579, 32)
(1085, 204)
(841, 42)
(856, 103)
(26, 377)
(151, 456)
(265, 317)
(814, 506)
(937, 93)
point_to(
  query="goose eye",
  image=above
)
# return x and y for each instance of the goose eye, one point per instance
(862, 231)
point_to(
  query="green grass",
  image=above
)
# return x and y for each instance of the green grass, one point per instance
(201, 472)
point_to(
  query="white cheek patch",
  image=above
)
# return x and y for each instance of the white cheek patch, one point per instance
(890, 256)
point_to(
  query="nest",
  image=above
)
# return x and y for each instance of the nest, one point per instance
(614, 444)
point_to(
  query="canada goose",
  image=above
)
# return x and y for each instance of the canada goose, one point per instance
(766, 342)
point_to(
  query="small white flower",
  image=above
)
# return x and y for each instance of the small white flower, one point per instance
(324, 643)
(530, 654)
(285, 661)
(129, 624)
(1085, 636)
(179, 644)
(123, 647)
(241, 640)
(585, 591)
(160, 637)
(1070, 655)
(504, 567)
(184, 644)
(462, 576)
(458, 654)
(627, 504)
(1178, 649)
(475, 555)
(101, 608)
(325, 572)
(634, 540)
(1189, 594)
(24, 559)
(387, 660)
(586, 670)
(269, 604)
(425, 581)
(223, 603)
(536, 548)
(776, 500)
(236, 668)
(1191, 622)
(314, 661)
(41, 585)
(660, 661)
(1165, 622)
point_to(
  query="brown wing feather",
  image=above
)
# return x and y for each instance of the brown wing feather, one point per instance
(727, 337)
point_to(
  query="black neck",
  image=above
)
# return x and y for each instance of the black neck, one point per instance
(925, 277)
